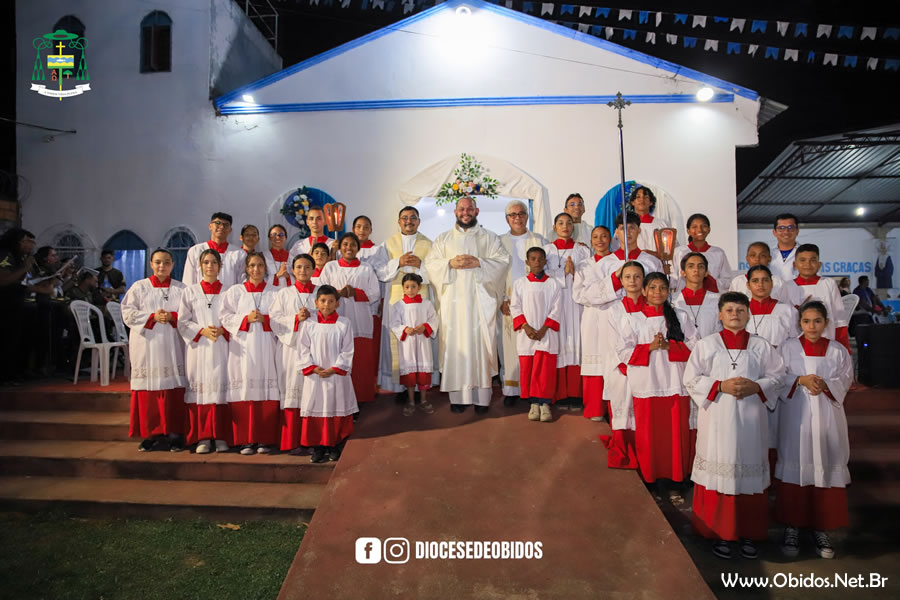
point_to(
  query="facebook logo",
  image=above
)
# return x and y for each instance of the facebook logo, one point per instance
(368, 550)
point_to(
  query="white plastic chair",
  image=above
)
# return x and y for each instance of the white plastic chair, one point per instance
(115, 311)
(850, 301)
(99, 350)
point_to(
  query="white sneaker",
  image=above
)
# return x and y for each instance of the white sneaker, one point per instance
(546, 415)
(202, 447)
(221, 446)
(265, 449)
(823, 544)
(535, 413)
(248, 450)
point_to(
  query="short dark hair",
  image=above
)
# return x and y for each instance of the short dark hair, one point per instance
(11, 239)
(352, 236)
(649, 193)
(685, 258)
(696, 216)
(603, 227)
(327, 290)
(276, 226)
(406, 209)
(559, 216)
(248, 226)
(106, 251)
(411, 277)
(222, 217)
(211, 252)
(631, 218)
(756, 268)
(736, 297)
(43, 252)
(307, 257)
(808, 248)
(633, 263)
(361, 217)
(863, 278)
(320, 246)
(253, 253)
(85, 275)
(163, 250)
(759, 245)
(536, 249)
(574, 195)
(812, 305)
(785, 217)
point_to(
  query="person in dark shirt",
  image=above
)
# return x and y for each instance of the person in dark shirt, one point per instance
(110, 280)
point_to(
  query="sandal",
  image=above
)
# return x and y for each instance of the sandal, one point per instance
(426, 407)
(408, 410)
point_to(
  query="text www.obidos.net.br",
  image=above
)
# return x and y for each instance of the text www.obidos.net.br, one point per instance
(809, 581)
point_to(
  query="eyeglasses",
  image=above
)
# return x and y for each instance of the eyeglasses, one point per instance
(517, 215)
(220, 224)
(412, 219)
(276, 235)
(786, 228)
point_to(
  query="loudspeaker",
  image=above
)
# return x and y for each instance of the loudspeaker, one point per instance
(876, 345)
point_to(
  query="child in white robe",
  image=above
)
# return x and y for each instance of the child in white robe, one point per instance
(291, 310)
(219, 230)
(808, 285)
(758, 253)
(253, 393)
(207, 359)
(414, 322)
(278, 258)
(564, 257)
(813, 445)
(376, 256)
(535, 308)
(326, 358)
(719, 274)
(700, 304)
(733, 378)
(322, 255)
(156, 351)
(236, 262)
(643, 202)
(315, 221)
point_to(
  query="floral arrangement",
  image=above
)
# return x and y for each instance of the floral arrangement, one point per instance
(295, 208)
(469, 180)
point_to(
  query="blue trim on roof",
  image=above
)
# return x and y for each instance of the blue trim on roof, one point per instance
(249, 109)
(503, 11)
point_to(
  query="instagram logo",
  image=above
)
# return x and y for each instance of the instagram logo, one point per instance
(368, 550)
(396, 550)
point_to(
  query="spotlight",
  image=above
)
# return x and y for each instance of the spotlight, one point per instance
(860, 211)
(463, 11)
(704, 94)
(247, 98)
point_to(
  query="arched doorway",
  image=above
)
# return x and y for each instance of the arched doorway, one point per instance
(667, 207)
(130, 255)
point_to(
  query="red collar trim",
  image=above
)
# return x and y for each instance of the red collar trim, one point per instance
(367, 244)
(811, 281)
(211, 288)
(306, 288)
(322, 239)
(280, 255)
(692, 298)
(254, 288)
(417, 299)
(763, 308)
(564, 244)
(735, 341)
(633, 306)
(155, 282)
(348, 263)
(652, 311)
(597, 257)
(220, 248)
(695, 248)
(814, 348)
(332, 318)
(317, 272)
(632, 254)
(533, 277)
(648, 218)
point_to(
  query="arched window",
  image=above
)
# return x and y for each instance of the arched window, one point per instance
(179, 240)
(70, 244)
(156, 43)
(76, 46)
(130, 255)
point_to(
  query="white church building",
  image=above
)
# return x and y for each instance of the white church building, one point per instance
(147, 154)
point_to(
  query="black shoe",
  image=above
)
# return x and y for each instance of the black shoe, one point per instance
(318, 455)
(458, 408)
(176, 443)
(356, 416)
(510, 400)
(334, 453)
(146, 445)
(480, 410)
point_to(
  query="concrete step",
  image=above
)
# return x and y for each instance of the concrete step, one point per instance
(108, 460)
(875, 463)
(872, 400)
(63, 425)
(232, 501)
(75, 399)
(873, 428)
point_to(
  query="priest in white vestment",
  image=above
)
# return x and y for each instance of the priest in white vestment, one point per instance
(467, 266)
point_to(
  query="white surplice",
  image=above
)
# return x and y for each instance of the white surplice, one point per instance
(732, 435)
(570, 324)
(416, 351)
(824, 290)
(536, 302)
(719, 267)
(283, 318)
(646, 239)
(304, 245)
(468, 302)
(272, 268)
(327, 345)
(207, 361)
(230, 271)
(813, 445)
(252, 373)
(739, 284)
(156, 352)
(361, 276)
(704, 317)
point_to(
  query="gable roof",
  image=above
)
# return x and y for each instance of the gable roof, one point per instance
(728, 90)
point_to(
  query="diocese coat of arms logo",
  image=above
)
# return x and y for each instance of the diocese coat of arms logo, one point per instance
(57, 66)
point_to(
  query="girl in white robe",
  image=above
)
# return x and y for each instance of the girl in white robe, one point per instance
(734, 378)
(360, 291)
(278, 258)
(719, 274)
(326, 358)
(376, 256)
(536, 310)
(655, 345)
(813, 446)
(207, 359)
(700, 304)
(291, 310)
(564, 257)
(156, 351)
(758, 253)
(253, 393)
(414, 322)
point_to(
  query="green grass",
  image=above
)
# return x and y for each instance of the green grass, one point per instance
(54, 556)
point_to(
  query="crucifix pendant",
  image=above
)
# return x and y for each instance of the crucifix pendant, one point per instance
(209, 305)
(733, 366)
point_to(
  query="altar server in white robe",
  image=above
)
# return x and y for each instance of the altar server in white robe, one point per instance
(219, 230)
(376, 256)
(655, 345)
(700, 304)
(564, 258)
(808, 285)
(813, 445)
(206, 356)
(718, 272)
(253, 393)
(293, 307)
(236, 262)
(536, 311)
(360, 292)
(593, 320)
(758, 254)
(315, 220)
(516, 241)
(733, 378)
(467, 265)
(643, 202)
(406, 252)
(322, 255)
(581, 227)
(326, 358)
(776, 322)
(156, 351)
(414, 321)
(278, 259)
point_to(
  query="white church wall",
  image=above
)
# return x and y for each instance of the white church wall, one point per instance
(238, 52)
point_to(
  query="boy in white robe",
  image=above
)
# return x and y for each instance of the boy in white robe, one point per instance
(643, 202)
(315, 220)
(701, 305)
(809, 286)
(219, 230)
(732, 377)
(414, 322)
(326, 358)
(813, 444)
(535, 308)
(758, 254)
(718, 270)
(321, 255)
